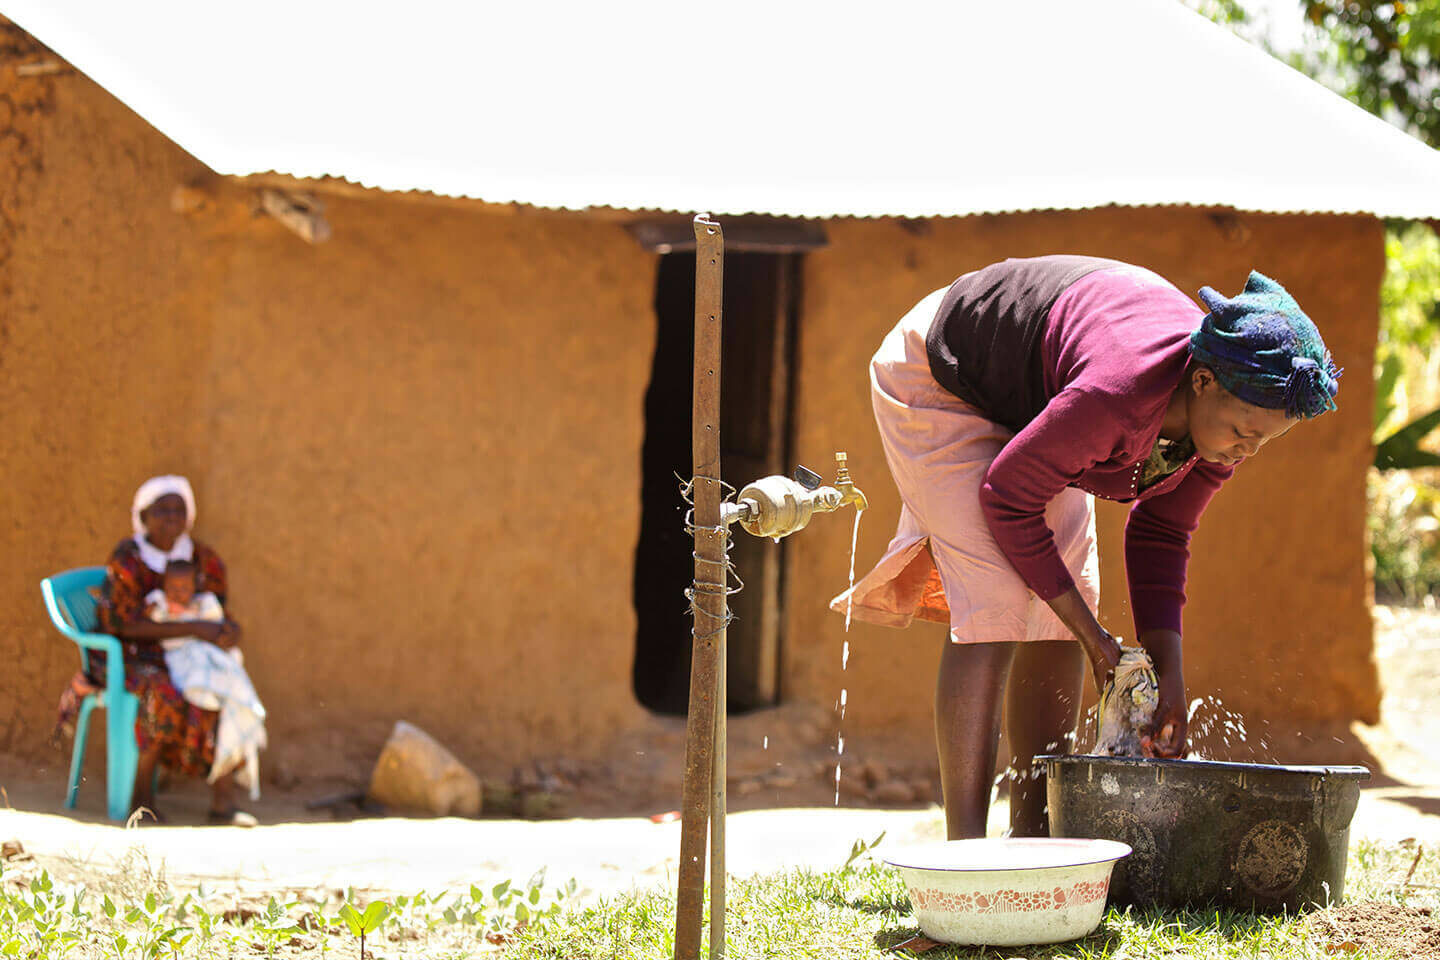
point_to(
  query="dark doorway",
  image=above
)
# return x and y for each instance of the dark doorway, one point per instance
(756, 369)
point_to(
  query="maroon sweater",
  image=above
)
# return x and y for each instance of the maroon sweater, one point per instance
(1080, 356)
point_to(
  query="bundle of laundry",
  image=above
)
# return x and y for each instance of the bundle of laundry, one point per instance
(1127, 705)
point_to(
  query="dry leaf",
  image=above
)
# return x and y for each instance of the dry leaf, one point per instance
(919, 944)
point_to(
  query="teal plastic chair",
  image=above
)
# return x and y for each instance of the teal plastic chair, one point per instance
(71, 605)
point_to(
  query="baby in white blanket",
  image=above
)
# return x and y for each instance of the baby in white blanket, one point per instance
(210, 677)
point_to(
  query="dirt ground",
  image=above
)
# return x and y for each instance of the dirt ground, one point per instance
(1408, 931)
(608, 839)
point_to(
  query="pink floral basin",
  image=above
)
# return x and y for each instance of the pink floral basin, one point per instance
(1008, 892)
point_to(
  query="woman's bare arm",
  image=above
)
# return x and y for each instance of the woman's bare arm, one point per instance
(150, 630)
(1100, 647)
(1168, 730)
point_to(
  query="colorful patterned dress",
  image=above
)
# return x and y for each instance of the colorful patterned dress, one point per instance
(184, 732)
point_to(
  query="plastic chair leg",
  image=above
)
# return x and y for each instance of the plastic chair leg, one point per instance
(77, 754)
(123, 756)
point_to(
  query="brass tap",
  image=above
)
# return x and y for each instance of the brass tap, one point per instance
(849, 493)
(777, 506)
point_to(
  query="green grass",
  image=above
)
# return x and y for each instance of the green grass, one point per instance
(864, 913)
(858, 912)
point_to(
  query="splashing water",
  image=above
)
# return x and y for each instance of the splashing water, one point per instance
(845, 650)
(1209, 718)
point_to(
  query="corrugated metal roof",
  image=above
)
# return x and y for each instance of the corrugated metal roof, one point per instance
(899, 108)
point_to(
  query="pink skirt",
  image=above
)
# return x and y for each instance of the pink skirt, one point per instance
(943, 565)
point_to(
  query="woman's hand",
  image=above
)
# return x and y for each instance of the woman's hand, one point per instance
(1166, 736)
(206, 630)
(225, 634)
(229, 635)
(1104, 654)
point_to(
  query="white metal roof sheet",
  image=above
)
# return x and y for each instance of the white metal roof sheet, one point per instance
(806, 109)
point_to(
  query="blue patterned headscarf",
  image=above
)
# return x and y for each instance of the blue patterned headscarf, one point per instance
(1265, 350)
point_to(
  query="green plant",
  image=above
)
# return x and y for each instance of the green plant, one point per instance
(275, 925)
(361, 924)
(1404, 535)
(194, 905)
(860, 849)
(1405, 373)
(1403, 504)
(53, 929)
(1402, 449)
(149, 915)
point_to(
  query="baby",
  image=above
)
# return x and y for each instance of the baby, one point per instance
(179, 601)
(210, 677)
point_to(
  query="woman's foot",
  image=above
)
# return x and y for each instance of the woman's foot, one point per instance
(231, 818)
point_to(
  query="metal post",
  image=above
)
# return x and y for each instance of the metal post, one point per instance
(709, 604)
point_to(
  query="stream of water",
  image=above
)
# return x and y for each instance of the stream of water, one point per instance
(845, 655)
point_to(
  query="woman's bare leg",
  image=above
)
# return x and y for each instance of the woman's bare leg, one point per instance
(967, 730)
(143, 793)
(222, 794)
(1042, 706)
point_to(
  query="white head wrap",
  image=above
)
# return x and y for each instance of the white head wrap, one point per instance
(150, 491)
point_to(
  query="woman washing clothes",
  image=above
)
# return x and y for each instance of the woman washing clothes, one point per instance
(169, 730)
(1005, 403)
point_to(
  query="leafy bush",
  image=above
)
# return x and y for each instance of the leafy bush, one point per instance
(1404, 503)
(1404, 535)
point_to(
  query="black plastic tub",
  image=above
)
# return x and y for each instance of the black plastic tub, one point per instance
(1244, 835)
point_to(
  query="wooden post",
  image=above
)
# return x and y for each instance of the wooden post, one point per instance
(705, 720)
(717, 808)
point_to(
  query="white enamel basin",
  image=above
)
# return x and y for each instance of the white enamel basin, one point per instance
(1008, 892)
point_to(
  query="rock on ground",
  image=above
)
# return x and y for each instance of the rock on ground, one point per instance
(416, 773)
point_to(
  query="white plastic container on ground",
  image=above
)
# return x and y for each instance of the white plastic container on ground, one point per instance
(1008, 892)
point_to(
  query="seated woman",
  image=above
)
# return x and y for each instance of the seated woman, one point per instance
(168, 730)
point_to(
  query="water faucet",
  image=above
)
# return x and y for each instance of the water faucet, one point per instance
(849, 493)
(777, 506)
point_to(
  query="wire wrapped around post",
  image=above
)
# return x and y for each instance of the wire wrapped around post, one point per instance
(725, 588)
(731, 572)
